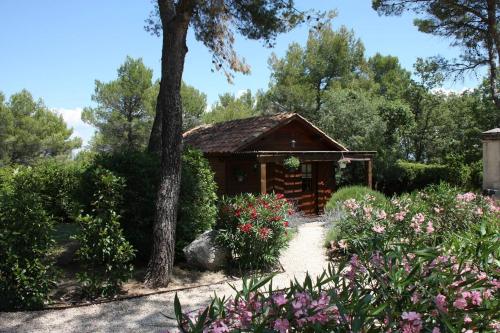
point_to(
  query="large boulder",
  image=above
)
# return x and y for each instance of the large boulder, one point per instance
(204, 253)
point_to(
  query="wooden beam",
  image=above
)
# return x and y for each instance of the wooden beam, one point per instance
(263, 178)
(369, 176)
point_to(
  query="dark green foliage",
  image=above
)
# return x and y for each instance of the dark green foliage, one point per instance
(104, 252)
(407, 176)
(58, 182)
(26, 274)
(197, 201)
(140, 172)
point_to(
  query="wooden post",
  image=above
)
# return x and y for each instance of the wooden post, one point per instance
(369, 177)
(263, 180)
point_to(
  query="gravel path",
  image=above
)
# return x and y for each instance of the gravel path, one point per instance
(146, 314)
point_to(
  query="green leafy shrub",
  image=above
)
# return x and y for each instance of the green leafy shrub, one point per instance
(26, 272)
(197, 200)
(409, 176)
(353, 192)
(104, 252)
(58, 187)
(291, 163)
(253, 228)
(427, 218)
(140, 172)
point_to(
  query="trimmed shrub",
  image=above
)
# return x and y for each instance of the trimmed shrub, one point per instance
(197, 200)
(26, 272)
(354, 192)
(104, 252)
(253, 228)
(140, 172)
(58, 187)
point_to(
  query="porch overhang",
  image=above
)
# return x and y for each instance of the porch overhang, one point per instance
(306, 156)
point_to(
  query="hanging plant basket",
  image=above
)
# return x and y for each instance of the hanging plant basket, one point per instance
(343, 162)
(291, 163)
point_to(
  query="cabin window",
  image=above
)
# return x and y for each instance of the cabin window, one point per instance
(306, 169)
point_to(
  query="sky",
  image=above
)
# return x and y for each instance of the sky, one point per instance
(56, 49)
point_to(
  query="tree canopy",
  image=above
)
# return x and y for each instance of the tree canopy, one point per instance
(30, 131)
(470, 25)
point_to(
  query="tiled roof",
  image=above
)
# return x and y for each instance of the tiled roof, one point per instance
(230, 136)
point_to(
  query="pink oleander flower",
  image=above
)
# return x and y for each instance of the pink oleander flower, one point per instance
(351, 204)
(415, 297)
(400, 216)
(279, 299)
(440, 301)
(460, 303)
(438, 210)
(281, 325)
(436, 330)
(478, 211)
(412, 322)
(343, 244)
(469, 331)
(476, 298)
(429, 228)
(376, 259)
(378, 229)
(368, 211)
(466, 197)
(467, 319)
(381, 215)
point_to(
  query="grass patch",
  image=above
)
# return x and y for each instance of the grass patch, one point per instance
(331, 235)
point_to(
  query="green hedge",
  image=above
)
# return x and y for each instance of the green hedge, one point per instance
(405, 176)
(197, 201)
(26, 236)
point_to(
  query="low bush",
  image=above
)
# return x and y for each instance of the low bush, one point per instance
(253, 228)
(197, 200)
(104, 253)
(26, 272)
(353, 192)
(426, 218)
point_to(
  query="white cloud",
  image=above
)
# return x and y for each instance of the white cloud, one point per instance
(448, 92)
(241, 92)
(73, 117)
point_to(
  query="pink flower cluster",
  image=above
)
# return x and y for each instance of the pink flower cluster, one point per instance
(466, 197)
(411, 322)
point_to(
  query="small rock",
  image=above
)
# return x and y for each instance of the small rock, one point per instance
(204, 253)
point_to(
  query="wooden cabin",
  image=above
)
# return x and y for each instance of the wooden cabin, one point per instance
(247, 156)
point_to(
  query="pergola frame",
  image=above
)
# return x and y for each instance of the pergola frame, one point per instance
(264, 157)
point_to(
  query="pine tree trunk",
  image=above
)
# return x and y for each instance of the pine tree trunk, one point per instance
(175, 26)
(154, 144)
(492, 45)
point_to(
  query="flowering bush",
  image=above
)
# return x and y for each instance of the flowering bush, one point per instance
(421, 219)
(253, 228)
(422, 291)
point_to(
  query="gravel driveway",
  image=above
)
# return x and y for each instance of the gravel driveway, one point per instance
(146, 314)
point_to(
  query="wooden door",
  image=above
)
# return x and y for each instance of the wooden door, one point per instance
(309, 194)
